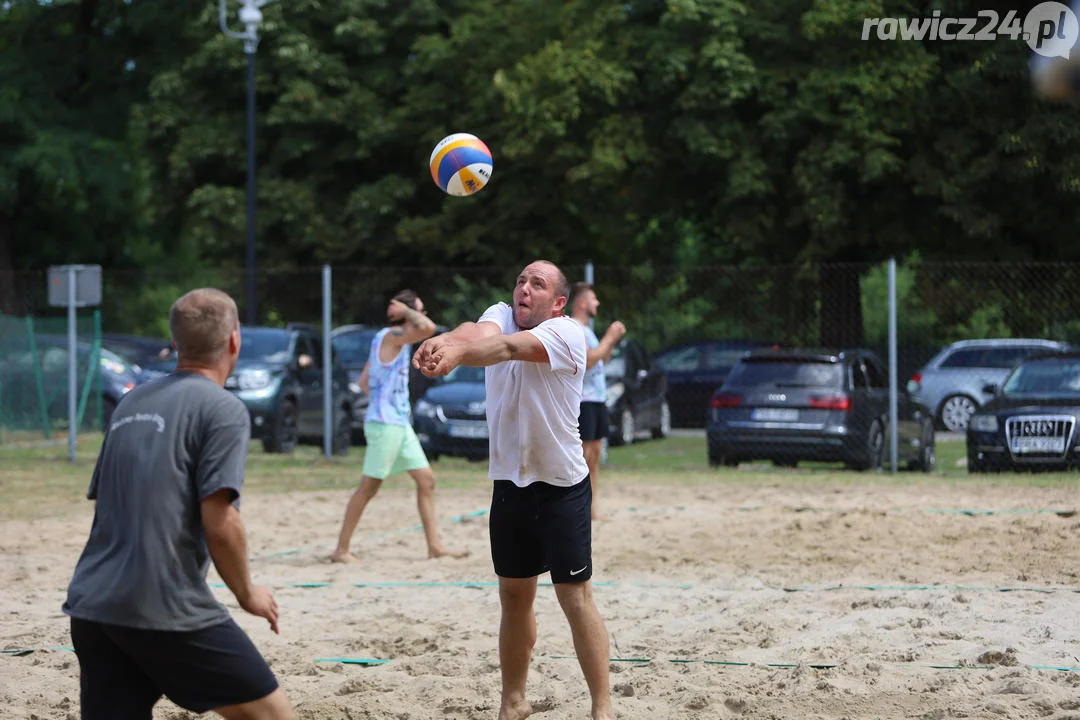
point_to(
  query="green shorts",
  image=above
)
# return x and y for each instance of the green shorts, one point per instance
(391, 449)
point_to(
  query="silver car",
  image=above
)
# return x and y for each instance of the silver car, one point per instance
(953, 383)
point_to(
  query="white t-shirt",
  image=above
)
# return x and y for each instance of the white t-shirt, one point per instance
(532, 408)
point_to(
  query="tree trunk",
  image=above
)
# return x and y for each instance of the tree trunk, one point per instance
(841, 306)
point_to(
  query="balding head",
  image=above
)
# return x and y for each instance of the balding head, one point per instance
(562, 285)
(201, 323)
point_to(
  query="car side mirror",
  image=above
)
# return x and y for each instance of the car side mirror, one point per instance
(305, 361)
(990, 389)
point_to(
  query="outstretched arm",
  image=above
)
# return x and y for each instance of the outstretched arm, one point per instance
(488, 351)
(467, 332)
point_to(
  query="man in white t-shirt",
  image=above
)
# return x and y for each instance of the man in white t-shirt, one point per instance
(540, 509)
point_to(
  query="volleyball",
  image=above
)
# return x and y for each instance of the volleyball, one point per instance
(461, 164)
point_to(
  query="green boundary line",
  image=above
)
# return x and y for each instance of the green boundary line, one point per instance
(21, 652)
(683, 586)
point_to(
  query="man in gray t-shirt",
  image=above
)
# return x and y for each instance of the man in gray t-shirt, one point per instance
(167, 483)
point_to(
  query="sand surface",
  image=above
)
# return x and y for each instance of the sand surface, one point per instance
(873, 584)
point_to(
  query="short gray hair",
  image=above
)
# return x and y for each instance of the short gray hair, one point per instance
(201, 322)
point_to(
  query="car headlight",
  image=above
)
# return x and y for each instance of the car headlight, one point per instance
(253, 379)
(425, 409)
(984, 423)
(614, 392)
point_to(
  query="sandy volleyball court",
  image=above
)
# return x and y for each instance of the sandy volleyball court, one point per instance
(724, 601)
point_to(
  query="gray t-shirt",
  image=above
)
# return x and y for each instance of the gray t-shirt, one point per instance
(171, 444)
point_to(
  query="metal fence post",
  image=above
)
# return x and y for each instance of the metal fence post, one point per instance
(893, 431)
(328, 368)
(72, 358)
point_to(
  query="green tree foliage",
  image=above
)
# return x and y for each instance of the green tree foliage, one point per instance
(677, 134)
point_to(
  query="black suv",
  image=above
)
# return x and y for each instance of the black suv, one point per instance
(792, 405)
(279, 377)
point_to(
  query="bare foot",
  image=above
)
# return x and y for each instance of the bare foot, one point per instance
(517, 711)
(443, 552)
(342, 557)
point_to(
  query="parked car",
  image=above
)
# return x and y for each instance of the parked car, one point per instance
(793, 405)
(952, 383)
(139, 351)
(451, 417)
(1030, 422)
(21, 387)
(694, 371)
(279, 378)
(636, 394)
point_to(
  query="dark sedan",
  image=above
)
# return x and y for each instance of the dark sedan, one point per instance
(451, 417)
(794, 405)
(1030, 424)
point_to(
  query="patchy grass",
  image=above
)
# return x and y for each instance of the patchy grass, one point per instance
(37, 480)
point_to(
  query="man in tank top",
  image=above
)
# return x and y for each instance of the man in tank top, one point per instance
(392, 445)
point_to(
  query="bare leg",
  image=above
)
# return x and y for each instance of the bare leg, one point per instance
(425, 503)
(590, 642)
(274, 706)
(592, 450)
(359, 500)
(517, 636)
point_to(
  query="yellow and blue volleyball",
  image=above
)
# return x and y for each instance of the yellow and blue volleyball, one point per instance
(461, 164)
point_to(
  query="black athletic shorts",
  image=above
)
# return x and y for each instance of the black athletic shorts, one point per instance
(593, 421)
(125, 671)
(542, 528)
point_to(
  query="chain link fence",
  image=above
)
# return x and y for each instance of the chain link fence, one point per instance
(34, 377)
(692, 323)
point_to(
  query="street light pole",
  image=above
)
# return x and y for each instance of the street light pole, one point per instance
(251, 17)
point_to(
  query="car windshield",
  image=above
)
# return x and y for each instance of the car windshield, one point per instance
(265, 344)
(787, 373)
(463, 373)
(1045, 377)
(353, 347)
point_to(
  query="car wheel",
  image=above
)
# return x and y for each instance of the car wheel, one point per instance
(956, 412)
(625, 435)
(283, 434)
(874, 452)
(927, 452)
(665, 422)
(342, 433)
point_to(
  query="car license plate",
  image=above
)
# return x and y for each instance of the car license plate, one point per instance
(1022, 445)
(774, 414)
(471, 430)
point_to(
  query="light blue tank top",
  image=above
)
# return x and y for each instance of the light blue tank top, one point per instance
(389, 385)
(595, 389)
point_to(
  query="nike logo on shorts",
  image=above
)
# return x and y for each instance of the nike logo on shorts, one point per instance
(578, 572)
